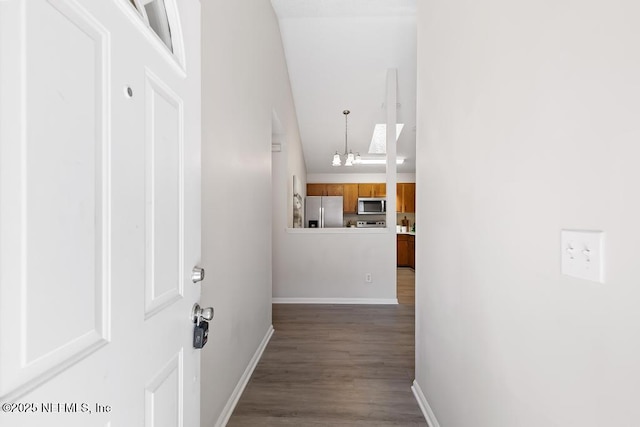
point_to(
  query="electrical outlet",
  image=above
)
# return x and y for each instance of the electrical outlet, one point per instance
(367, 277)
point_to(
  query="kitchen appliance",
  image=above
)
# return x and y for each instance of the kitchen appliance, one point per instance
(323, 211)
(371, 206)
(371, 224)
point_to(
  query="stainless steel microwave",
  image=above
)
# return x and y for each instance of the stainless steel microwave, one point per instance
(371, 206)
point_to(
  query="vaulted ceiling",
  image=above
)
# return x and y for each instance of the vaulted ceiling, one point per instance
(338, 53)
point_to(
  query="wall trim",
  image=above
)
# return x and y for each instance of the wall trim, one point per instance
(334, 300)
(223, 419)
(424, 405)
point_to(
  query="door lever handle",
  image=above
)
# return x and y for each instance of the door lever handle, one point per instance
(199, 314)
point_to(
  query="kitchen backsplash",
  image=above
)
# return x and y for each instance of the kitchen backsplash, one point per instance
(411, 217)
(353, 218)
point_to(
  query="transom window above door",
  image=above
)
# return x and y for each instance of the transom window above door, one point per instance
(154, 14)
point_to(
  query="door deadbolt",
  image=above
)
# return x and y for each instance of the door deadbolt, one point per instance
(197, 274)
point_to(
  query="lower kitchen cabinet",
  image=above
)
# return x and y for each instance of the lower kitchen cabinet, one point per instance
(406, 251)
(403, 250)
(412, 251)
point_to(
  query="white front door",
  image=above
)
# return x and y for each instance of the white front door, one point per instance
(99, 212)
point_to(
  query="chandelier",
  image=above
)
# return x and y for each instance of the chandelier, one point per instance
(349, 158)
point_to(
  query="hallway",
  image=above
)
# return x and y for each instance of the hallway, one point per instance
(336, 365)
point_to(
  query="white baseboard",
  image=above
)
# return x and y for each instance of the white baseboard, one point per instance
(424, 405)
(334, 301)
(223, 419)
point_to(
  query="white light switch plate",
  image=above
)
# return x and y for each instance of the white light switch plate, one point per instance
(583, 254)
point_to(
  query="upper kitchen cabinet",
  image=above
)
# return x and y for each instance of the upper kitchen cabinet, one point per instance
(406, 197)
(324, 189)
(335, 190)
(350, 193)
(372, 190)
(316, 189)
(350, 198)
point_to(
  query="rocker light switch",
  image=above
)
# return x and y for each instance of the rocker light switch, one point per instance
(583, 254)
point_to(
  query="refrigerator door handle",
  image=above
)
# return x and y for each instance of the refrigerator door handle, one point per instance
(322, 217)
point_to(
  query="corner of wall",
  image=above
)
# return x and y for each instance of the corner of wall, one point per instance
(429, 416)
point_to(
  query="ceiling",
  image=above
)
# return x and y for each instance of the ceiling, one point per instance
(338, 53)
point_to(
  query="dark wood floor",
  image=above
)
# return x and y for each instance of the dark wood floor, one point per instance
(336, 365)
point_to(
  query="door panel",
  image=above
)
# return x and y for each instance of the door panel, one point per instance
(99, 213)
(46, 156)
(164, 394)
(164, 183)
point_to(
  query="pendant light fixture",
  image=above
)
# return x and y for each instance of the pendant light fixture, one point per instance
(349, 158)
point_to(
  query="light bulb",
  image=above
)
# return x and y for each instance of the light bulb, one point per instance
(349, 160)
(336, 160)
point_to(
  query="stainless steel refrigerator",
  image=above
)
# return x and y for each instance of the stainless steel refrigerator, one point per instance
(323, 212)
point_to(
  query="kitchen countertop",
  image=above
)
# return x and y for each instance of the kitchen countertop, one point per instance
(339, 230)
(344, 230)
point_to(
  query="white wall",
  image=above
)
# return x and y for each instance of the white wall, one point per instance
(244, 81)
(326, 265)
(285, 164)
(528, 123)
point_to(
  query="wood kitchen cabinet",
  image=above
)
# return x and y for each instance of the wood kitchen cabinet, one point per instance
(316, 189)
(324, 190)
(412, 251)
(350, 198)
(372, 190)
(334, 190)
(409, 197)
(406, 197)
(403, 250)
(406, 251)
(349, 192)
